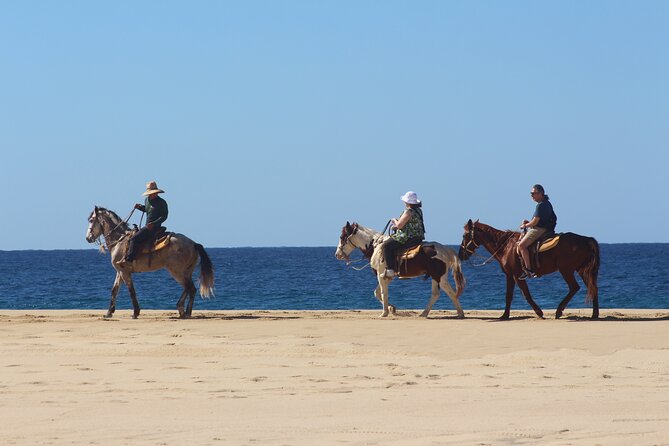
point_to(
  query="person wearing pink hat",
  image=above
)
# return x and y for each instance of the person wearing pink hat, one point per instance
(409, 230)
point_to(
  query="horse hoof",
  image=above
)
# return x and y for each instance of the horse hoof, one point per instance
(423, 314)
(384, 314)
(558, 314)
(504, 317)
(392, 309)
(108, 316)
(461, 316)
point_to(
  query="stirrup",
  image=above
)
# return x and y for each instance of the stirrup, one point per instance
(527, 274)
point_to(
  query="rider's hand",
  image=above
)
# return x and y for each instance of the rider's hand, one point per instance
(138, 206)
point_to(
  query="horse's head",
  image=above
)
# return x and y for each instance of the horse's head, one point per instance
(104, 223)
(345, 246)
(470, 241)
(95, 229)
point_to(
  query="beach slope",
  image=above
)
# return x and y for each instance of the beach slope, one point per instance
(334, 377)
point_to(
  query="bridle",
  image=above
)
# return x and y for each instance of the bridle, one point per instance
(97, 240)
(470, 242)
(346, 241)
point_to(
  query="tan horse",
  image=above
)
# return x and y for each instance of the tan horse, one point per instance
(434, 260)
(179, 257)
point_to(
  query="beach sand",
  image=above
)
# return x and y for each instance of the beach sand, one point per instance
(333, 377)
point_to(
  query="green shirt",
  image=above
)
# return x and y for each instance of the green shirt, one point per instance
(156, 211)
(414, 227)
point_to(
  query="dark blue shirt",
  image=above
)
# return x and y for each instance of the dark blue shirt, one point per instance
(547, 218)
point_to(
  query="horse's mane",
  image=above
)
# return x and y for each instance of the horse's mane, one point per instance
(507, 234)
(116, 220)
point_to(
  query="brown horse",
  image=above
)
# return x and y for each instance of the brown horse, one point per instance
(573, 253)
(433, 260)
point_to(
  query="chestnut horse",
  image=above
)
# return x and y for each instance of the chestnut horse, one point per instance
(573, 253)
(433, 260)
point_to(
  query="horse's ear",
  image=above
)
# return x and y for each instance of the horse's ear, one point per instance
(96, 208)
(469, 224)
(348, 227)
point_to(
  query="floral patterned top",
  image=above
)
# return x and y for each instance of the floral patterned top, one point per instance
(413, 229)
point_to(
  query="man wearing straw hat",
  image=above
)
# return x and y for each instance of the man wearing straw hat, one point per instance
(156, 214)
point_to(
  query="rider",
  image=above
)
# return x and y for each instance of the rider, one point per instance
(156, 214)
(543, 221)
(410, 230)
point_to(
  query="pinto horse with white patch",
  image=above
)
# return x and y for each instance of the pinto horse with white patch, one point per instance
(433, 260)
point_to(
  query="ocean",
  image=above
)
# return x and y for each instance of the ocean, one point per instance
(633, 275)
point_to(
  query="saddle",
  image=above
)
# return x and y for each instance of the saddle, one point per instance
(405, 254)
(546, 242)
(160, 240)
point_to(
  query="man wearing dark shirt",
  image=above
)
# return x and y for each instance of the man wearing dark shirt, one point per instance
(156, 214)
(543, 221)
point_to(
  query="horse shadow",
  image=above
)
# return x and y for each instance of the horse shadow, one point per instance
(619, 317)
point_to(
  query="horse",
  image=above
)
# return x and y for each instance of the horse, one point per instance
(433, 260)
(573, 253)
(179, 257)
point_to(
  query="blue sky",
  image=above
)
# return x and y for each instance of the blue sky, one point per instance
(273, 123)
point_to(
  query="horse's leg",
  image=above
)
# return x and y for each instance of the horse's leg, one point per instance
(127, 278)
(191, 294)
(443, 283)
(114, 293)
(433, 298)
(186, 281)
(522, 284)
(377, 294)
(383, 285)
(510, 284)
(568, 276)
(181, 303)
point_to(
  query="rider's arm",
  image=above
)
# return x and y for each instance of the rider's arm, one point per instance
(140, 207)
(530, 224)
(404, 219)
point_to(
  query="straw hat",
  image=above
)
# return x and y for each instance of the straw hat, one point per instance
(152, 188)
(410, 198)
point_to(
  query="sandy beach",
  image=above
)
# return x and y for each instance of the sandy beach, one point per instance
(334, 377)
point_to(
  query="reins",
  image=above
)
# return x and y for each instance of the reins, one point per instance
(111, 245)
(375, 239)
(502, 245)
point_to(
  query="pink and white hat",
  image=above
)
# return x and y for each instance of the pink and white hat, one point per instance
(410, 197)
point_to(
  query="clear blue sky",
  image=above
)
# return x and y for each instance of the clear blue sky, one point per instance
(272, 123)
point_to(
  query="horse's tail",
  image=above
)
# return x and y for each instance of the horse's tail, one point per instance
(590, 271)
(458, 277)
(206, 273)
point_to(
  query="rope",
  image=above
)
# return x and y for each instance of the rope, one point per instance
(111, 245)
(502, 245)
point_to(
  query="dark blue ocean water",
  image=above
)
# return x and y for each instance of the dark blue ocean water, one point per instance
(631, 276)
